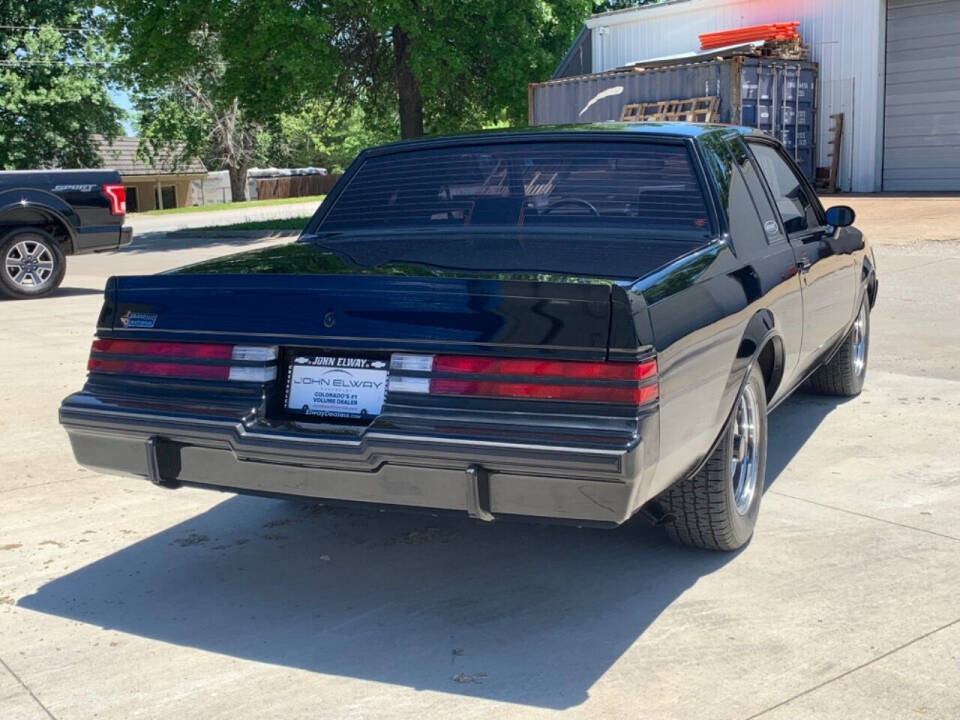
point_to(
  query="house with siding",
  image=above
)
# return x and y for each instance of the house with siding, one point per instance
(155, 185)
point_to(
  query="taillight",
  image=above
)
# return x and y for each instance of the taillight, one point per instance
(117, 195)
(575, 381)
(186, 360)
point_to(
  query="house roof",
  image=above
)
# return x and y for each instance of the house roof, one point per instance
(121, 154)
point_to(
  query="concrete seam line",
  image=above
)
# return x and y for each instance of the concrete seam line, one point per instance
(29, 691)
(27, 487)
(864, 515)
(855, 669)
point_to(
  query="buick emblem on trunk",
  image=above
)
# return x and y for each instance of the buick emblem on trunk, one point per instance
(329, 320)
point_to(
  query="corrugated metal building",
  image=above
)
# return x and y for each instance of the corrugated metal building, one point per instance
(892, 67)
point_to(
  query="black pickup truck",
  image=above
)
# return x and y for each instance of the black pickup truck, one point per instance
(576, 324)
(46, 215)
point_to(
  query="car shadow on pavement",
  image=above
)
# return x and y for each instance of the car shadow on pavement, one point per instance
(791, 425)
(527, 614)
(161, 241)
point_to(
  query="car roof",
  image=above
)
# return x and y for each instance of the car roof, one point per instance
(650, 129)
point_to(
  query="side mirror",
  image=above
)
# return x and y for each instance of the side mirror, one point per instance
(840, 216)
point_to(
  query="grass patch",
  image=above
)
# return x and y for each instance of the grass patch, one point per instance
(297, 223)
(237, 205)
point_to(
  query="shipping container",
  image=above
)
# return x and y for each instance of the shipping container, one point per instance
(776, 96)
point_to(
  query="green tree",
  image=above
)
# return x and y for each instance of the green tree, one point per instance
(323, 135)
(435, 65)
(55, 81)
(460, 65)
(192, 114)
(600, 6)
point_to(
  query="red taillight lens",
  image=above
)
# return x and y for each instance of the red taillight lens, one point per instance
(117, 195)
(597, 382)
(576, 393)
(159, 369)
(544, 368)
(194, 361)
(164, 349)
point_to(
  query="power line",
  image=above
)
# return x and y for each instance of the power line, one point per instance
(41, 27)
(16, 63)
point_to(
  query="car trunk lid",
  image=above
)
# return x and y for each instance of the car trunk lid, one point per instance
(383, 312)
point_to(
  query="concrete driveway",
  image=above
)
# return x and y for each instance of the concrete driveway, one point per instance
(121, 600)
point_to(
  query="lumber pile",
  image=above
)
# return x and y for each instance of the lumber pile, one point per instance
(773, 31)
(702, 110)
(826, 178)
(784, 50)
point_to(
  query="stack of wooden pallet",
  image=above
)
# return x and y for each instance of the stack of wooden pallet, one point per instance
(773, 31)
(784, 49)
(701, 109)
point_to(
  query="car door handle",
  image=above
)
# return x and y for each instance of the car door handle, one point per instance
(803, 265)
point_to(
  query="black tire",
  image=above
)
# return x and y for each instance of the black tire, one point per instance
(704, 507)
(19, 277)
(843, 376)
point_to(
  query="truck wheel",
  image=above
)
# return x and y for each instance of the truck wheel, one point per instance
(717, 508)
(33, 263)
(843, 376)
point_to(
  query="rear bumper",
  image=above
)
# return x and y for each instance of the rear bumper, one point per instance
(483, 478)
(101, 238)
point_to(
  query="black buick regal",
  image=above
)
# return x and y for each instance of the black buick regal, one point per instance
(572, 324)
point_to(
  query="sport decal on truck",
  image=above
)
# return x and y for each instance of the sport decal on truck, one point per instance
(73, 188)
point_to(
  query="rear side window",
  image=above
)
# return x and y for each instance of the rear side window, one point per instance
(748, 171)
(625, 185)
(736, 195)
(795, 206)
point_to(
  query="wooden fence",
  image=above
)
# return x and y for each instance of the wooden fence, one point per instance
(295, 186)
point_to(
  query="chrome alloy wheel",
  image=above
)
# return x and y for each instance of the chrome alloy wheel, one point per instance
(860, 341)
(746, 450)
(29, 264)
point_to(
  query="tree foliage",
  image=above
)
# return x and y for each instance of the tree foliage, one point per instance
(600, 6)
(436, 65)
(55, 80)
(323, 135)
(192, 115)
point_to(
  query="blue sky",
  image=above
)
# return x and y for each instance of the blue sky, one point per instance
(121, 98)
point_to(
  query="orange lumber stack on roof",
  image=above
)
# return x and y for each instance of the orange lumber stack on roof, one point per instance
(772, 31)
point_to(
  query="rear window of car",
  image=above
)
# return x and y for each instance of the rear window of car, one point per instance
(639, 185)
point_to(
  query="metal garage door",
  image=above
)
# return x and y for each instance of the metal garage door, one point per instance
(921, 147)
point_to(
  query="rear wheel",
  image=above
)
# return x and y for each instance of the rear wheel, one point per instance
(843, 376)
(717, 508)
(32, 263)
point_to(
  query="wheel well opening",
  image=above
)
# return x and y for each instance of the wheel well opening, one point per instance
(770, 362)
(57, 229)
(34, 217)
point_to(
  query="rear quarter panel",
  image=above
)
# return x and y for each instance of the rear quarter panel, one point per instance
(699, 311)
(710, 312)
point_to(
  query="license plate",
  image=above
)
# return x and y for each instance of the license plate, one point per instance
(345, 387)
